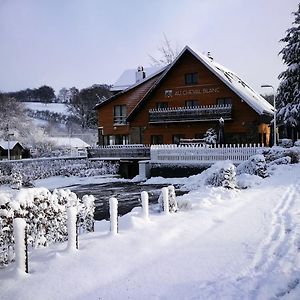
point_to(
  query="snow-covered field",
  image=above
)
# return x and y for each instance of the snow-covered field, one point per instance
(59, 108)
(232, 244)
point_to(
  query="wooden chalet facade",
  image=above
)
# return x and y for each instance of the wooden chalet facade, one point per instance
(184, 100)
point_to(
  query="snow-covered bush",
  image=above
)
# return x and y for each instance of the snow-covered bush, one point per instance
(224, 176)
(46, 216)
(172, 200)
(275, 153)
(24, 172)
(281, 161)
(16, 180)
(297, 143)
(214, 175)
(286, 143)
(210, 136)
(255, 165)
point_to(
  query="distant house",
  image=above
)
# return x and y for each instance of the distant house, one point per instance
(182, 101)
(11, 148)
(77, 146)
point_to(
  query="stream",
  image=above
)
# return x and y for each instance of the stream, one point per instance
(127, 193)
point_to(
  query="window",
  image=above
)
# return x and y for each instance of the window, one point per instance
(191, 78)
(116, 139)
(161, 105)
(177, 137)
(120, 113)
(191, 103)
(157, 139)
(224, 101)
(168, 93)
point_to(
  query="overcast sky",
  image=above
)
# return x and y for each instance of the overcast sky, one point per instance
(65, 43)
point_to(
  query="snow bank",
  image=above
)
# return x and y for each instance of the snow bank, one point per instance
(220, 174)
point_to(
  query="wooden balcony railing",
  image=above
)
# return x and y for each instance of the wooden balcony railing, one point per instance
(190, 114)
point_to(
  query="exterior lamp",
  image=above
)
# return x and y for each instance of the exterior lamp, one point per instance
(274, 104)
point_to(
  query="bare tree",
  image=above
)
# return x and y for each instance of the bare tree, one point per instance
(167, 51)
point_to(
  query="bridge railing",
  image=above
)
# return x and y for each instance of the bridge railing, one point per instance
(120, 151)
(203, 153)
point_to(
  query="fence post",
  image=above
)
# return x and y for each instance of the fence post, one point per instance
(145, 205)
(72, 228)
(165, 194)
(113, 211)
(21, 245)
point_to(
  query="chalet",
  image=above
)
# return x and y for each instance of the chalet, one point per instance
(182, 101)
(11, 150)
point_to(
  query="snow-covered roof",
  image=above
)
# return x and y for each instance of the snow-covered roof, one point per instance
(235, 83)
(12, 144)
(69, 142)
(128, 78)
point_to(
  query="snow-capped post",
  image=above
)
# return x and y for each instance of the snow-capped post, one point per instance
(72, 228)
(145, 205)
(21, 248)
(113, 212)
(165, 195)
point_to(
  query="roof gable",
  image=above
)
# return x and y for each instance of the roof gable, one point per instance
(128, 78)
(136, 85)
(236, 84)
(12, 144)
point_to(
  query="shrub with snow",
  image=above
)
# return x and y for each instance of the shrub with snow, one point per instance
(172, 200)
(23, 173)
(255, 165)
(275, 153)
(286, 143)
(222, 175)
(46, 216)
(210, 136)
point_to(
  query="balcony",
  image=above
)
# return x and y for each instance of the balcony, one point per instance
(190, 114)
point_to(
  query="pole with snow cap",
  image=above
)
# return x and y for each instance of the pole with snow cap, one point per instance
(72, 228)
(145, 205)
(21, 245)
(113, 211)
(165, 195)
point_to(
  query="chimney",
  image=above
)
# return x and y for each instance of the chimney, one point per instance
(140, 74)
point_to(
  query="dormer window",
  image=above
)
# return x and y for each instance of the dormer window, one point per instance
(191, 78)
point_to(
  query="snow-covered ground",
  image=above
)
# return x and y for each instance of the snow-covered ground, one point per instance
(59, 108)
(232, 244)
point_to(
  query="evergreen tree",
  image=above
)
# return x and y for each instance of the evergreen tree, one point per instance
(288, 96)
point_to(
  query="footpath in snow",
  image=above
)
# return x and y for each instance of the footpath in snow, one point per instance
(232, 244)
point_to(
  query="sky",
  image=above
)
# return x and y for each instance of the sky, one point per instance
(65, 43)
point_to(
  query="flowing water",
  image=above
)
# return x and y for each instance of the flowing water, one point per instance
(127, 193)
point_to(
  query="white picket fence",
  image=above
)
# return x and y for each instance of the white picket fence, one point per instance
(203, 154)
